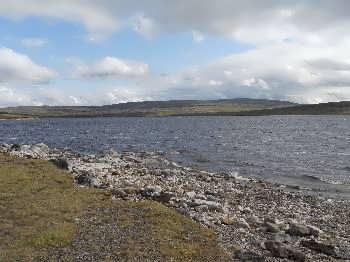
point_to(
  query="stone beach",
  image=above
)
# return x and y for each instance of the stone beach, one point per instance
(254, 220)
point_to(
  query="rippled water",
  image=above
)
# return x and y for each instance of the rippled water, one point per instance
(311, 151)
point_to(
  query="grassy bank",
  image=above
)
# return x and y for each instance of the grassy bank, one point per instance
(5, 116)
(44, 216)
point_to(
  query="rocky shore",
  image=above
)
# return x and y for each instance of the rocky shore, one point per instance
(255, 220)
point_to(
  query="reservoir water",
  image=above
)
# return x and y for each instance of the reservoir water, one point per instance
(306, 151)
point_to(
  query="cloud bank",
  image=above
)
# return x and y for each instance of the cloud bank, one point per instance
(300, 49)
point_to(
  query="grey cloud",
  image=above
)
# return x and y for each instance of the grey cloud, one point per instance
(274, 19)
(329, 64)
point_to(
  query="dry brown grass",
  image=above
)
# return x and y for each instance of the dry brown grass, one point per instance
(39, 205)
(5, 116)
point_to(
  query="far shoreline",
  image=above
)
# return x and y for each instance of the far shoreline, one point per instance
(230, 107)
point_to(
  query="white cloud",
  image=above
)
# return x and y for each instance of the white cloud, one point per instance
(198, 36)
(19, 67)
(246, 20)
(8, 97)
(297, 72)
(13, 96)
(301, 47)
(96, 17)
(33, 42)
(112, 67)
(144, 26)
(123, 95)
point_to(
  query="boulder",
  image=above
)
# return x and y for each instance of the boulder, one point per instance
(281, 250)
(5, 147)
(298, 230)
(119, 193)
(242, 223)
(315, 231)
(97, 183)
(212, 206)
(15, 147)
(253, 220)
(191, 194)
(327, 249)
(151, 191)
(164, 197)
(282, 237)
(271, 227)
(250, 256)
(42, 147)
(83, 179)
(61, 163)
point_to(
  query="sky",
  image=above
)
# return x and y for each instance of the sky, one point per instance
(98, 52)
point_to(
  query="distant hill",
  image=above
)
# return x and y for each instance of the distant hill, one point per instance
(227, 107)
(153, 108)
(333, 108)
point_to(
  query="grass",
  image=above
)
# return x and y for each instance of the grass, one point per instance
(39, 205)
(5, 116)
(168, 223)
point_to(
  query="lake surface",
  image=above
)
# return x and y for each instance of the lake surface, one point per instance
(308, 151)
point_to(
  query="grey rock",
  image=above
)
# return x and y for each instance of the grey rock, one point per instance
(191, 194)
(164, 197)
(202, 208)
(119, 193)
(298, 230)
(242, 223)
(97, 183)
(42, 147)
(272, 228)
(15, 147)
(151, 191)
(247, 210)
(212, 206)
(253, 220)
(5, 147)
(315, 231)
(270, 220)
(327, 249)
(61, 163)
(250, 256)
(83, 179)
(282, 237)
(282, 250)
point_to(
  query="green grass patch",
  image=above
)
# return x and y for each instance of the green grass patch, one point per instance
(38, 204)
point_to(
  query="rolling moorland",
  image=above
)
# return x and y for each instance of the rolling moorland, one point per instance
(149, 108)
(230, 107)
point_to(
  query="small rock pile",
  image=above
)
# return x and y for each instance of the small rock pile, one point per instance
(255, 220)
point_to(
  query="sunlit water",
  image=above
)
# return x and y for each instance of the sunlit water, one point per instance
(309, 151)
